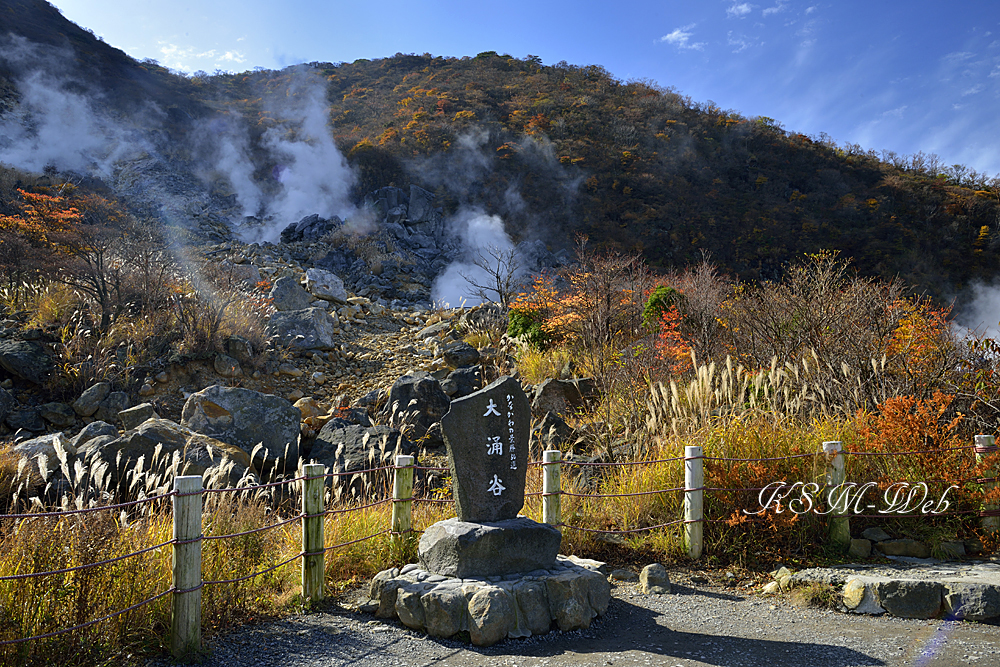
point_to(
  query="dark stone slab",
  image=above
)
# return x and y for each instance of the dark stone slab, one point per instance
(486, 435)
(25, 359)
(454, 548)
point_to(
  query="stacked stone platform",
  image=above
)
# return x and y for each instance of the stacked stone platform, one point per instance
(567, 596)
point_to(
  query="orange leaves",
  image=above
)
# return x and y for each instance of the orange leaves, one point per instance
(42, 217)
(670, 345)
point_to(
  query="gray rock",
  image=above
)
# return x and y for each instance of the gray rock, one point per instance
(287, 294)
(624, 575)
(434, 330)
(875, 534)
(589, 563)
(455, 548)
(111, 406)
(246, 418)
(421, 206)
(57, 414)
(383, 590)
(491, 616)
(7, 403)
(134, 416)
(227, 366)
(462, 382)
(307, 329)
(532, 600)
(344, 447)
(860, 598)
(25, 359)
(416, 401)
(552, 432)
(248, 274)
(559, 396)
(909, 599)
(460, 354)
(27, 418)
(972, 602)
(238, 348)
(408, 607)
(654, 579)
(952, 550)
(860, 548)
(904, 547)
(569, 600)
(91, 399)
(486, 435)
(91, 431)
(444, 609)
(326, 285)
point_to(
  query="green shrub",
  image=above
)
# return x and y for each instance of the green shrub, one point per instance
(526, 324)
(660, 301)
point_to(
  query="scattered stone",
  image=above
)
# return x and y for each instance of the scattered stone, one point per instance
(559, 396)
(146, 389)
(162, 377)
(246, 418)
(294, 395)
(318, 377)
(307, 329)
(771, 587)
(462, 382)
(7, 403)
(90, 400)
(25, 359)
(287, 294)
(952, 550)
(875, 534)
(654, 580)
(91, 431)
(227, 366)
(325, 285)
(904, 547)
(460, 354)
(860, 548)
(972, 602)
(27, 419)
(240, 349)
(133, 417)
(590, 564)
(288, 369)
(416, 401)
(109, 408)
(57, 414)
(309, 408)
(434, 330)
(624, 575)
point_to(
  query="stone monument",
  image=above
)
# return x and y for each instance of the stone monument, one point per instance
(489, 571)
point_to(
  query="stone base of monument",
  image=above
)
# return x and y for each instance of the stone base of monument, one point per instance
(455, 548)
(567, 596)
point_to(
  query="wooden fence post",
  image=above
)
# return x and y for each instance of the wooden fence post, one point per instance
(313, 560)
(551, 487)
(185, 617)
(694, 499)
(986, 445)
(839, 525)
(402, 499)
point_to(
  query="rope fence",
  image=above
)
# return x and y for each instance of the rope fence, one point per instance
(188, 496)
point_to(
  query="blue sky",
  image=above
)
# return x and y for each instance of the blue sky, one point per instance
(906, 77)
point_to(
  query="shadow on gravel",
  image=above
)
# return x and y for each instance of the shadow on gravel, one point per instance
(677, 589)
(635, 637)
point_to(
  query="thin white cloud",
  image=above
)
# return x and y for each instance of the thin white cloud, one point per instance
(995, 72)
(233, 56)
(978, 88)
(681, 38)
(777, 9)
(894, 113)
(738, 41)
(810, 10)
(739, 10)
(957, 56)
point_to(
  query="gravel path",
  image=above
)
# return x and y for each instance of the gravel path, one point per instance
(694, 626)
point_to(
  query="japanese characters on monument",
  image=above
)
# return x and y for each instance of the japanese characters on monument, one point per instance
(486, 434)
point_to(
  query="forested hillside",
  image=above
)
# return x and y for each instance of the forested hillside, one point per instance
(642, 167)
(558, 150)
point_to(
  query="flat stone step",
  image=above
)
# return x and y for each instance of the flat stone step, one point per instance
(915, 588)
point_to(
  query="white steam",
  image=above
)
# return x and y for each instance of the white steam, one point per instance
(55, 126)
(980, 315)
(482, 236)
(233, 160)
